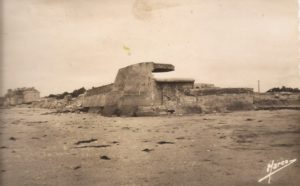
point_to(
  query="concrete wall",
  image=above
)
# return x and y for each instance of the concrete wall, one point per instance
(225, 102)
(96, 97)
(99, 90)
(171, 92)
(220, 91)
(181, 102)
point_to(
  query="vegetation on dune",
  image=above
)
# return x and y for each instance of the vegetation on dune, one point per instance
(284, 89)
(73, 94)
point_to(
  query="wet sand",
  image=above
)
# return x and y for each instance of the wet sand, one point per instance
(42, 148)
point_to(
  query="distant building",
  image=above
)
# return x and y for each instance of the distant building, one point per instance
(21, 96)
(2, 100)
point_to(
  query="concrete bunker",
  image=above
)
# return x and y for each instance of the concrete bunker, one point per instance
(135, 92)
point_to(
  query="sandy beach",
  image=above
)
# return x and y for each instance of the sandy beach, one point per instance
(40, 147)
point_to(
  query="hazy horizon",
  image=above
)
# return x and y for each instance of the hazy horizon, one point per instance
(60, 45)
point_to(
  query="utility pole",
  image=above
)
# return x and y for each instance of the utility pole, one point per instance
(258, 86)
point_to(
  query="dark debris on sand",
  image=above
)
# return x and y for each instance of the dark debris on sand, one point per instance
(165, 142)
(104, 157)
(13, 138)
(77, 167)
(147, 150)
(85, 141)
(93, 146)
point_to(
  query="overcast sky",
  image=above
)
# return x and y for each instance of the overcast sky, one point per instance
(62, 45)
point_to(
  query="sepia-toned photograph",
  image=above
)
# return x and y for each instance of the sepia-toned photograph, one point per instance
(149, 92)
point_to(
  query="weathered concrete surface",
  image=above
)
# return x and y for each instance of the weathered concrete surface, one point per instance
(134, 86)
(159, 67)
(175, 80)
(96, 97)
(220, 91)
